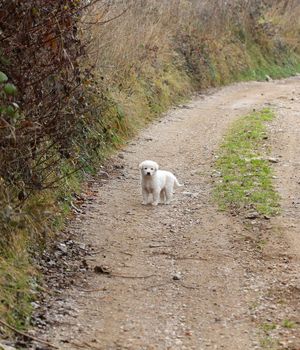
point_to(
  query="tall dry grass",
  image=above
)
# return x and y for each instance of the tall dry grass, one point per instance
(125, 36)
(141, 31)
(287, 16)
(138, 47)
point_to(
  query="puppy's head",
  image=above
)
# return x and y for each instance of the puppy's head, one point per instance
(148, 168)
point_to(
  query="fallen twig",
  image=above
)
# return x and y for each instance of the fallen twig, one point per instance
(160, 246)
(189, 258)
(185, 286)
(175, 283)
(97, 252)
(103, 270)
(84, 345)
(158, 285)
(27, 335)
(124, 276)
(178, 257)
(126, 253)
(108, 251)
(92, 290)
(164, 253)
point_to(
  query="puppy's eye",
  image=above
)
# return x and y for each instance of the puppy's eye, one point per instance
(151, 168)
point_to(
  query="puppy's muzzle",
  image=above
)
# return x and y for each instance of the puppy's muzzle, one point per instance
(148, 173)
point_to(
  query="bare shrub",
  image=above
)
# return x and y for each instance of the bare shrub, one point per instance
(40, 57)
(140, 32)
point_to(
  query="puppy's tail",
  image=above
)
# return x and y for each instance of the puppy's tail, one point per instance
(177, 183)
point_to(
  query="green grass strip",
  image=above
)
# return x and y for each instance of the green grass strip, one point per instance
(245, 172)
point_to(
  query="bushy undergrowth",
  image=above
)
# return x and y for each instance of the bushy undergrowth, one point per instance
(78, 78)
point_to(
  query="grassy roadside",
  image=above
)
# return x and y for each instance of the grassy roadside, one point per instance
(244, 167)
(244, 187)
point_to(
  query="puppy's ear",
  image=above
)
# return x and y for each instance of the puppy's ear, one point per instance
(141, 165)
(156, 166)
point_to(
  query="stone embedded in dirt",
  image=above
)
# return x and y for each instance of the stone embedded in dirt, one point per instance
(272, 160)
(177, 276)
(268, 78)
(58, 254)
(102, 270)
(252, 215)
(187, 193)
(82, 245)
(103, 173)
(184, 106)
(118, 166)
(216, 173)
(35, 304)
(62, 247)
(51, 263)
(190, 194)
(84, 264)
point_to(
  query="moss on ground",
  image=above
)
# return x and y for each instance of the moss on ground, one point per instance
(245, 172)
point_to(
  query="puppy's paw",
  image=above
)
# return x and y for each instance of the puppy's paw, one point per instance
(154, 203)
(144, 203)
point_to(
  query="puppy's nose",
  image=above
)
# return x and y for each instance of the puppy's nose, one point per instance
(148, 173)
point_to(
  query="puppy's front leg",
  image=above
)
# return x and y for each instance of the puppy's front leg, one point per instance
(156, 195)
(145, 196)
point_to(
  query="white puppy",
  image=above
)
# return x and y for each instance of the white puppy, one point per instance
(158, 183)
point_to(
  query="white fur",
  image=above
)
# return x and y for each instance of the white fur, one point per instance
(158, 183)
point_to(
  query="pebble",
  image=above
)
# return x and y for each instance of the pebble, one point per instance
(252, 215)
(272, 160)
(177, 276)
(62, 247)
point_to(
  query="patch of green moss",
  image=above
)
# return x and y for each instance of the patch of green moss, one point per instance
(246, 175)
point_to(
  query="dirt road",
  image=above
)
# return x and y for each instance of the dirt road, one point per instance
(186, 276)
